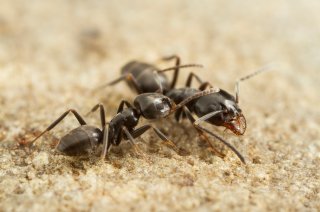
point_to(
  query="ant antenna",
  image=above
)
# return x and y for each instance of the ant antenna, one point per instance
(260, 70)
(195, 96)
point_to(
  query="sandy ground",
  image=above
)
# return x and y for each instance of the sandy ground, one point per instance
(52, 53)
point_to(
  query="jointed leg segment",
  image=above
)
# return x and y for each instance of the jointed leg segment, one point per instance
(102, 114)
(203, 85)
(202, 135)
(196, 124)
(176, 71)
(137, 132)
(53, 124)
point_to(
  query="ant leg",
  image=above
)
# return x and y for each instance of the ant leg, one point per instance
(136, 133)
(176, 71)
(53, 124)
(102, 114)
(178, 114)
(202, 135)
(106, 143)
(196, 124)
(190, 77)
(131, 140)
(121, 105)
(226, 143)
(128, 77)
(156, 72)
(203, 85)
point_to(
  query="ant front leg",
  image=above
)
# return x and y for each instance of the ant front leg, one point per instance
(53, 124)
(202, 135)
(138, 132)
(196, 124)
(121, 105)
(176, 71)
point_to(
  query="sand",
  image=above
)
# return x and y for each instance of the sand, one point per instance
(53, 53)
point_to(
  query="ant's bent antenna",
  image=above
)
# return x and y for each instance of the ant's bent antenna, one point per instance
(260, 70)
(195, 96)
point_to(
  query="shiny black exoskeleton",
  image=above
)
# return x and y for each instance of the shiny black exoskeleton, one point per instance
(148, 105)
(86, 138)
(141, 76)
(82, 139)
(217, 109)
(220, 109)
(230, 115)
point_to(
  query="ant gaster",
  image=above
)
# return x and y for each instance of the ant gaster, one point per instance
(81, 139)
(140, 76)
(122, 125)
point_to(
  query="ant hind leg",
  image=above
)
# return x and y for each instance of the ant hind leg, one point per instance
(53, 124)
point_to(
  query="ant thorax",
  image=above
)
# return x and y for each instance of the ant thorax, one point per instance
(153, 105)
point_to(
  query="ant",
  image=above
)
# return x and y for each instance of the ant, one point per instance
(219, 108)
(140, 76)
(81, 139)
(122, 125)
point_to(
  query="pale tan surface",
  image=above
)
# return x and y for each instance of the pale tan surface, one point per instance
(52, 53)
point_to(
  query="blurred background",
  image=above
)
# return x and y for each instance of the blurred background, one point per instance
(92, 40)
(53, 53)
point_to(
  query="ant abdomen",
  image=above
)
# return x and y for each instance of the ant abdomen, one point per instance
(80, 140)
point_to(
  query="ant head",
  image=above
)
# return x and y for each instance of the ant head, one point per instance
(153, 105)
(237, 124)
(232, 117)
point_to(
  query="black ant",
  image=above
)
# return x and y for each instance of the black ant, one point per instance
(81, 139)
(140, 76)
(219, 108)
(122, 125)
